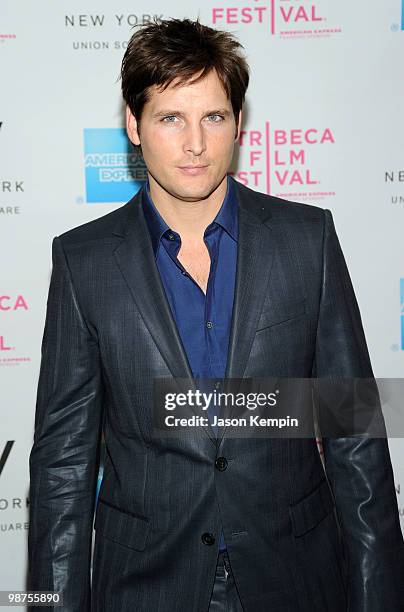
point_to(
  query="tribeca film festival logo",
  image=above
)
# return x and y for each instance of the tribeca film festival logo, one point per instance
(114, 171)
(281, 18)
(83, 23)
(8, 356)
(282, 162)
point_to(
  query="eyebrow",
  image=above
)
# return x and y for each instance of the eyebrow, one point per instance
(218, 111)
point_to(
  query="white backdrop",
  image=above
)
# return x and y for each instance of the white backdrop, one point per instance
(323, 125)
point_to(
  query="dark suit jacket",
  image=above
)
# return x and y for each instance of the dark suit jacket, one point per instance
(297, 540)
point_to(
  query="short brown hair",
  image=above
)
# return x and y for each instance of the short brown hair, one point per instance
(162, 51)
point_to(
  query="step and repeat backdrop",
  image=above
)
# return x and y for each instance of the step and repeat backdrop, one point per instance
(323, 125)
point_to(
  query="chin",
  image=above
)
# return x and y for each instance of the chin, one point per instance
(195, 192)
(191, 196)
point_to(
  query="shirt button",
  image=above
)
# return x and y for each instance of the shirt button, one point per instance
(221, 463)
(208, 538)
(171, 237)
(209, 324)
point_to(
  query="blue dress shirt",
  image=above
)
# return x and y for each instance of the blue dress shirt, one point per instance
(203, 321)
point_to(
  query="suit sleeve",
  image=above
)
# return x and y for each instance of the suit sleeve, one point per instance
(64, 458)
(358, 467)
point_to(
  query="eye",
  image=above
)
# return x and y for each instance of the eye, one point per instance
(168, 118)
(216, 118)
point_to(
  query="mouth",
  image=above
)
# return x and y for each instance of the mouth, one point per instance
(193, 170)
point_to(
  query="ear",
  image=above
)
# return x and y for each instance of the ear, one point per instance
(238, 125)
(131, 127)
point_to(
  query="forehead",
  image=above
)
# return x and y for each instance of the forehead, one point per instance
(200, 94)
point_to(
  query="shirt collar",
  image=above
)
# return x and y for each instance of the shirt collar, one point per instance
(226, 216)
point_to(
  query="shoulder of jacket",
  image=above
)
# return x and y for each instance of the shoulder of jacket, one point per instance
(97, 229)
(280, 209)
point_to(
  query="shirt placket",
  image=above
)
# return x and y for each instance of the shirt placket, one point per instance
(215, 364)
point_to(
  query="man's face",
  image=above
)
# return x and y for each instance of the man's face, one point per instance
(187, 134)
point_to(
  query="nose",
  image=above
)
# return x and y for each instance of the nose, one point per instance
(194, 141)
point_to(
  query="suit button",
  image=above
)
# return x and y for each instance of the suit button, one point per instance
(208, 538)
(221, 463)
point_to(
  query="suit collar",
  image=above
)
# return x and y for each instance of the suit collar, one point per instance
(226, 216)
(246, 200)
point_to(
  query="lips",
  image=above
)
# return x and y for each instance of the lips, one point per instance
(193, 170)
(191, 167)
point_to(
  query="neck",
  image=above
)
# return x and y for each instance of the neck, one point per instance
(189, 219)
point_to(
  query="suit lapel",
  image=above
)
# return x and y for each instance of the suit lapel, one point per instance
(135, 259)
(255, 254)
(254, 261)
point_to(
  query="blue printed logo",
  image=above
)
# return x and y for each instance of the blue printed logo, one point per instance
(114, 170)
(402, 311)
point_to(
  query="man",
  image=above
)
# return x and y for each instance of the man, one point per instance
(199, 276)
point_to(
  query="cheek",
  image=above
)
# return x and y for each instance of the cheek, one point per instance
(221, 145)
(158, 147)
(222, 137)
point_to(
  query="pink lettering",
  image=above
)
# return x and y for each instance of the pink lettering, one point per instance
(310, 136)
(232, 15)
(217, 14)
(296, 177)
(296, 136)
(299, 14)
(244, 177)
(246, 16)
(260, 10)
(241, 137)
(240, 176)
(3, 347)
(286, 14)
(255, 156)
(3, 299)
(307, 136)
(19, 303)
(255, 138)
(278, 161)
(298, 157)
(256, 174)
(314, 16)
(280, 137)
(294, 157)
(327, 136)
